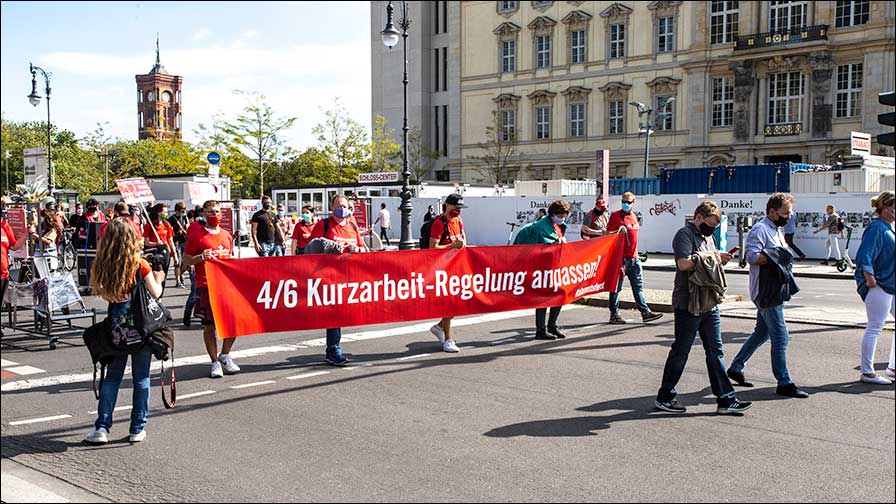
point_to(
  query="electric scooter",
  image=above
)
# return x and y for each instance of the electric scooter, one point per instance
(845, 262)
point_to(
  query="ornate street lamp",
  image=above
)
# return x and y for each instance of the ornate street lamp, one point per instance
(34, 98)
(649, 127)
(390, 38)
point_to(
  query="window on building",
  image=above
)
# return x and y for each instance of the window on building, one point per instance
(444, 150)
(140, 96)
(664, 113)
(180, 119)
(437, 66)
(140, 120)
(444, 69)
(542, 173)
(849, 90)
(508, 125)
(722, 102)
(437, 123)
(577, 120)
(852, 12)
(619, 171)
(507, 6)
(665, 34)
(786, 15)
(543, 51)
(723, 22)
(508, 55)
(445, 17)
(616, 113)
(785, 97)
(617, 40)
(443, 175)
(437, 12)
(577, 46)
(542, 123)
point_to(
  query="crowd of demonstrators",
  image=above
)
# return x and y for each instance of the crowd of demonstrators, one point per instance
(340, 228)
(265, 230)
(771, 285)
(595, 221)
(179, 223)
(546, 230)
(282, 235)
(834, 226)
(8, 241)
(698, 288)
(876, 283)
(114, 272)
(92, 217)
(625, 221)
(789, 233)
(301, 232)
(158, 235)
(447, 232)
(122, 211)
(205, 243)
(385, 221)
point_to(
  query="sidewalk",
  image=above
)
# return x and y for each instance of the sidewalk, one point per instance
(20, 483)
(809, 268)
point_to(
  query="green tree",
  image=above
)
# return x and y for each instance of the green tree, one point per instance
(344, 142)
(385, 154)
(499, 162)
(420, 157)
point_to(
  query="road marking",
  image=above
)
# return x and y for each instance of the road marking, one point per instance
(502, 341)
(120, 408)
(409, 357)
(37, 420)
(359, 366)
(6, 363)
(307, 375)
(197, 394)
(256, 384)
(25, 370)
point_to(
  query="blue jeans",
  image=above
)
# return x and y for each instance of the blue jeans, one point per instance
(633, 272)
(279, 250)
(769, 325)
(334, 336)
(140, 362)
(266, 249)
(686, 328)
(191, 299)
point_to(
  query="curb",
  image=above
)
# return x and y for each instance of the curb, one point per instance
(24, 484)
(746, 271)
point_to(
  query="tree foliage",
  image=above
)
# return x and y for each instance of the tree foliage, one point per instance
(344, 142)
(385, 154)
(499, 162)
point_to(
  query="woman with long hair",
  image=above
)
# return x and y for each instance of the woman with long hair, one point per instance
(113, 274)
(48, 234)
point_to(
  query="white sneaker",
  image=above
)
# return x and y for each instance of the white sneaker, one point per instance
(875, 380)
(890, 373)
(230, 367)
(437, 331)
(99, 436)
(136, 438)
(217, 372)
(450, 347)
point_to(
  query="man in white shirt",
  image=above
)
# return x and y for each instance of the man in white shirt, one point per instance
(385, 221)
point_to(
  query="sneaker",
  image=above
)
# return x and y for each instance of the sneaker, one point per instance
(336, 358)
(875, 380)
(450, 346)
(437, 331)
(739, 378)
(136, 438)
(791, 391)
(542, 335)
(616, 319)
(651, 316)
(230, 367)
(669, 406)
(99, 436)
(824, 263)
(217, 371)
(890, 373)
(556, 332)
(734, 407)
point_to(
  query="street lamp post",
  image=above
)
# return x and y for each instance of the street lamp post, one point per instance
(390, 38)
(6, 159)
(649, 127)
(34, 98)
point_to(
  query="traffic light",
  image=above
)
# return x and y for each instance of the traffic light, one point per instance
(887, 119)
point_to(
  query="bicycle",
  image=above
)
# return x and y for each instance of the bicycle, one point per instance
(69, 252)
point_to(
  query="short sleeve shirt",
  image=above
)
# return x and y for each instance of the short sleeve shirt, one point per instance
(200, 238)
(455, 230)
(301, 234)
(6, 241)
(341, 234)
(266, 222)
(687, 241)
(630, 221)
(832, 223)
(164, 230)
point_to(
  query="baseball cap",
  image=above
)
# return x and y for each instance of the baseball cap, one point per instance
(455, 199)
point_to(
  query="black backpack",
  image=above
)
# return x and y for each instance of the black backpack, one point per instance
(840, 225)
(426, 231)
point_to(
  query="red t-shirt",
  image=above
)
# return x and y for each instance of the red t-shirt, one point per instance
(630, 220)
(343, 235)
(130, 221)
(7, 241)
(455, 230)
(165, 231)
(98, 217)
(301, 234)
(199, 238)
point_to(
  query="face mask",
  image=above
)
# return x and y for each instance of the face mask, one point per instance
(557, 220)
(91, 209)
(266, 206)
(213, 220)
(164, 215)
(454, 213)
(306, 218)
(706, 229)
(781, 221)
(599, 212)
(342, 213)
(281, 213)
(626, 207)
(79, 211)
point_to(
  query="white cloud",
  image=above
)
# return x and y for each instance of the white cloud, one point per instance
(249, 34)
(201, 34)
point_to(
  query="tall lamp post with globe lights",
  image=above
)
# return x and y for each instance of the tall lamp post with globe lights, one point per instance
(34, 98)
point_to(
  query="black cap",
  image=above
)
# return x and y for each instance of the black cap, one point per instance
(456, 200)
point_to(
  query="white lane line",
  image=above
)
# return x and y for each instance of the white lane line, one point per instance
(25, 370)
(256, 384)
(119, 408)
(307, 375)
(502, 341)
(37, 420)
(196, 394)
(5, 363)
(359, 366)
(409, 357)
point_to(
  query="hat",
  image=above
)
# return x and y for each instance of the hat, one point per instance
(456, 200)
(601, 204)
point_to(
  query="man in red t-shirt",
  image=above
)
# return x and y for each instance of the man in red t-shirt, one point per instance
(625, 221)
(450, 238)
(210, 243)
(8, 242)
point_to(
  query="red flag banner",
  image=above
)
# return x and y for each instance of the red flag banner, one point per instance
(293, 293)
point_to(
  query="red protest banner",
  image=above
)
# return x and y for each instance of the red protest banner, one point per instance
(227, 217)
(18, 221)
(135, 190)
(292, 293)
(360, 214)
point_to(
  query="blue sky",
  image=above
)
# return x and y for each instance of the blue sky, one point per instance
(300, 55)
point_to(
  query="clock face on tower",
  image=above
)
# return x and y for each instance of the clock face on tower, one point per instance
(166, 97)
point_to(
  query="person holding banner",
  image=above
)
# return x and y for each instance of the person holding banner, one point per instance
(547, 230)
(209, 242)
(595, 223)
(92, 217)
(342, 229)
(8, 242)
(301, 233)
(447, 232)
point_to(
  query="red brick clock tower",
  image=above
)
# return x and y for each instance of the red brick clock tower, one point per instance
(159, 103)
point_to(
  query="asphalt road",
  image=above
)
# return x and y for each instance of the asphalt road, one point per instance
(507, 419)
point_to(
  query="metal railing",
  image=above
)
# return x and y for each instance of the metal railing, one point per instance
(783, 129)
(782, 37)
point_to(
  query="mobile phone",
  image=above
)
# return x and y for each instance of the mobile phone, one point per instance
(734, 250)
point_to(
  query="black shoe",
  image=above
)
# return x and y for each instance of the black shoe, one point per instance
(734, 407)
(187, 321)
(616, 319)
(544, 336)
(556, 332)
(651, 316)
(824, 263)
(791, 391)
(669, 406)
(739, 378)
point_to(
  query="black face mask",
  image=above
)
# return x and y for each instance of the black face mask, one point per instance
(91, 209)
(706, 229)
(266, 206)
(599, 212)
(781, 221)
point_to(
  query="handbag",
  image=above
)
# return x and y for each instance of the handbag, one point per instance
(149, 314)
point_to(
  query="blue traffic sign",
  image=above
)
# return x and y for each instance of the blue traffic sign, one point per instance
(214, 157)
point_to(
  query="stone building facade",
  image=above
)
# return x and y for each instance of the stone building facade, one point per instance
(159, 103)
